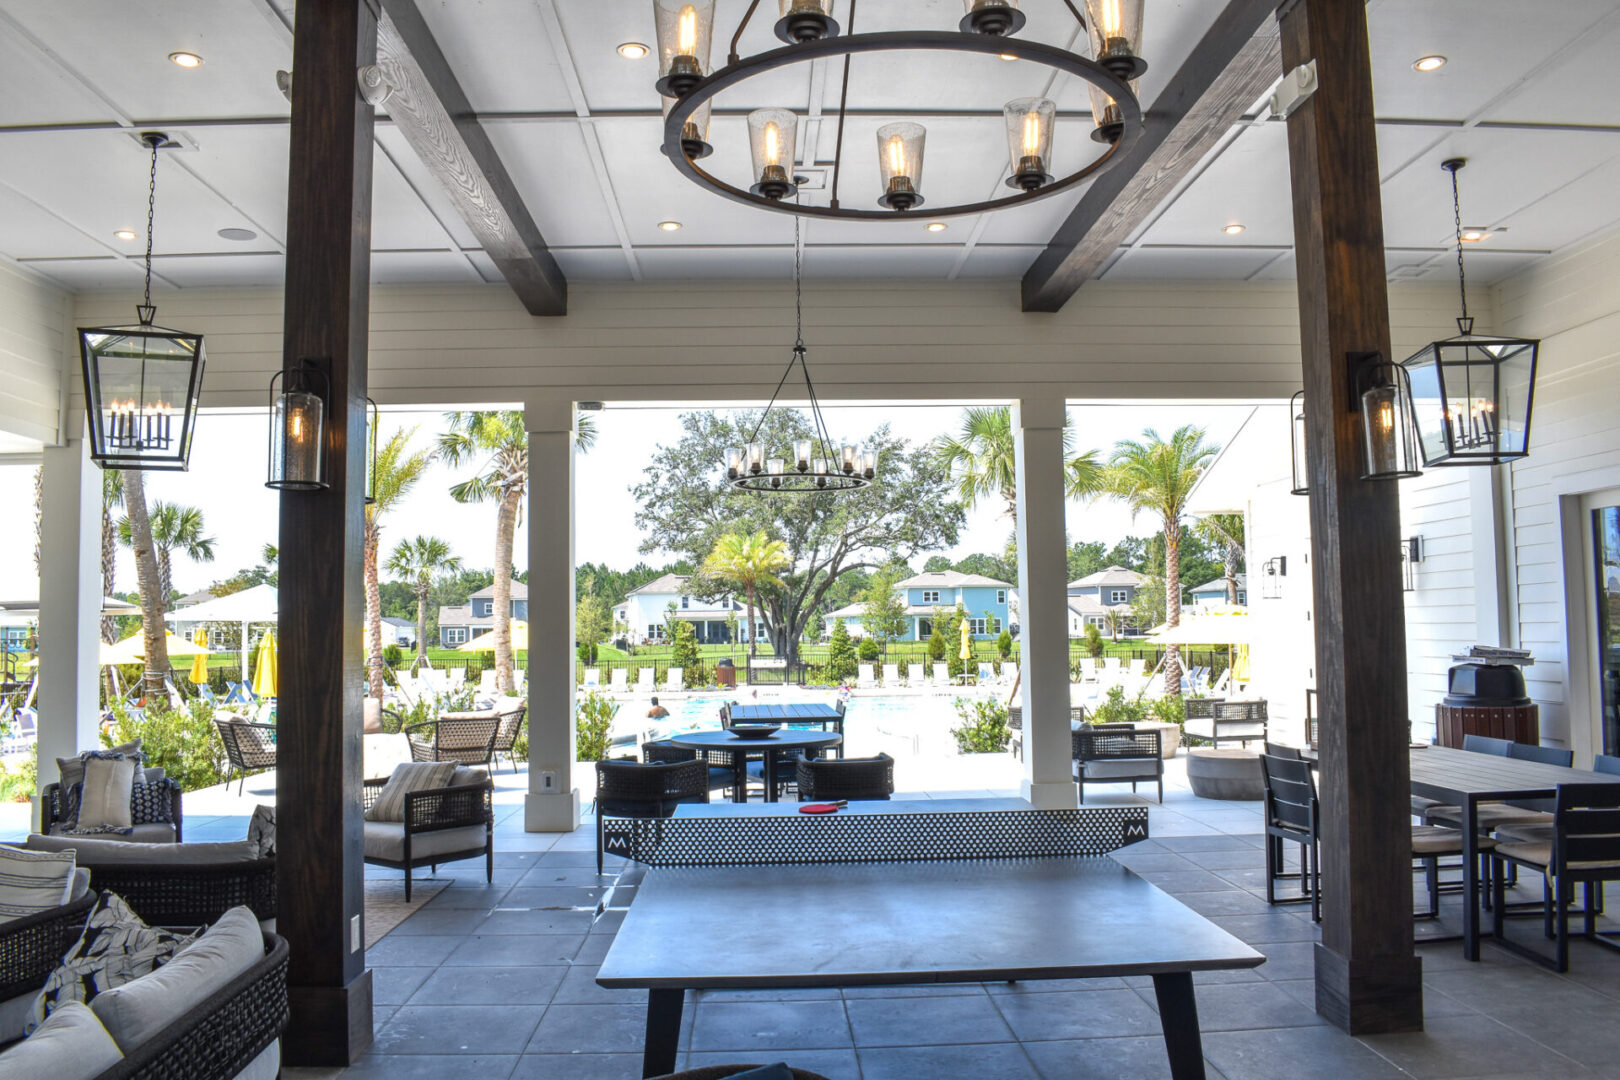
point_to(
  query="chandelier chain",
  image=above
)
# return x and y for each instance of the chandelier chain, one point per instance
(1456, 210)
(151, 213)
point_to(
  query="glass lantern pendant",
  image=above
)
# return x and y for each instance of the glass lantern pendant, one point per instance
(900, 161)
(142, 382)
(1029, 142)
(1471, 395)
(685, 33)
(1115, 28)
(1296, 443)
(1110, 122)
(996, 18)
(695, 131)
(771, 135)
(805, 20)
(298, 428)
(1386, 423)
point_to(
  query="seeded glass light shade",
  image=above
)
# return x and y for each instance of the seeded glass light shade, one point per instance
(1105, 113)
(900, 162)
(1471, 399)
(141, 385)
(771, 135)
(805, 20)
(1115, 27)
(1386, 423)
(1296, 439)
(994, 17)
(297, 436)
(1029, 141)
(695, 131)
(685, 34)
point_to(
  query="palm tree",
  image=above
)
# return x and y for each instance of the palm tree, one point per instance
(1114, 622)
(112, 498)
(747, 563)
(983, 455)
(1157, 475)
(1226, 530)
(397, 472)
(135, 529)
(270, 555)
(420, 562)
(174, 528)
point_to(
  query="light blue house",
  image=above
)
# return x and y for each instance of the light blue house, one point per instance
(1092, 597)
(476, 617)
(988, 604)
(1212, 594)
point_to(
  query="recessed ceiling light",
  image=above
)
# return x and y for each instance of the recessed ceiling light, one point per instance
(633, 50)
(1232, 229)
(1474, 236)
(125, 234)
(669, 226)
(186, 59)
(1429, 63)
(935, 226)
(238, 234)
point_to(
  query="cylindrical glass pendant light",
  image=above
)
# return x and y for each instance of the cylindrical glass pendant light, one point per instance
(685, 33)
(1115, 27)
(805, 20)
(771, 135)
(695, 131)
(1029, 141)
(993, 17)
(1386, 422)
(1105, 113)
(298, 430)
(900, 162)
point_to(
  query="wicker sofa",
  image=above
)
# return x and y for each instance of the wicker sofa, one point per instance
(175, 884)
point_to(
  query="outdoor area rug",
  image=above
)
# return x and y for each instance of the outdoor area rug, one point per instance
(386, 907)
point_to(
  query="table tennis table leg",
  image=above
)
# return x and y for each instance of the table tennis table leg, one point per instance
(1178, 1015)
(663, 1031)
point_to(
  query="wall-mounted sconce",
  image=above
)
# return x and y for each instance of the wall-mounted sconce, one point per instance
(1296, 440)
(298, 427)
(1273, 570)
(1411, 555)
(371, 451)
(1385, 401)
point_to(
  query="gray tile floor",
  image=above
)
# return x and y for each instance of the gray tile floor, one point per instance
(498, 982)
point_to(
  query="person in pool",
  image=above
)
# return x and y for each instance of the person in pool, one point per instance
(657, 712)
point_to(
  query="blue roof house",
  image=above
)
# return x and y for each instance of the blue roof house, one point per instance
(983, 598)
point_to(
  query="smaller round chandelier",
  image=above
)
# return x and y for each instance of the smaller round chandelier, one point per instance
(686, 35)
(811, 466)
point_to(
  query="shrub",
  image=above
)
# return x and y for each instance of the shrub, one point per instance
(1170, 709)
(1004, 644)
(984, 726)
(181, 741)
(868, 649)
(936, 641)
(593, 725)
(840, 653)
(1116, 708)
(586, 653)
(1094, 641)
(393, 655)
(683, 647)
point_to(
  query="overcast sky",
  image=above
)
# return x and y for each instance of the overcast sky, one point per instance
(226, 481)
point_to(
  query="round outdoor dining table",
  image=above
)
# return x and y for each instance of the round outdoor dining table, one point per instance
(785, 739)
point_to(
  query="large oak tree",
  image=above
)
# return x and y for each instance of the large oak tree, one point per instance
(685, 507)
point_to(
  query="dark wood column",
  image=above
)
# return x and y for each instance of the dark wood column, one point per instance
(1367, 979)
(318, 744)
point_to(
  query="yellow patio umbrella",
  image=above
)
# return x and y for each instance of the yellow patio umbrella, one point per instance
(484, 642)
(1240, 664)
(199, 664)
(967, 641)
(132, 650)
(264, 679)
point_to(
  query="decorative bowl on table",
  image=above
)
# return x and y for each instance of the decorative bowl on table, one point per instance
(754, 731)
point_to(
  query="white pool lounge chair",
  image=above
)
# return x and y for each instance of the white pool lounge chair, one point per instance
(674, 679)
(621, 680)
(1111, 668)
(987, 674)
(942, 674)
(1138, 667)
(593, 678)
(644, 681)
(891, 676)
(1088, 669)
(914, 675)
(864, 677)
(486, 684)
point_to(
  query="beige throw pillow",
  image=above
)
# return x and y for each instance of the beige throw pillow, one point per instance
(107, 786)
(409, 776)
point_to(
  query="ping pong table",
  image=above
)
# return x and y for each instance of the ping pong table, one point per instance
(900, 897)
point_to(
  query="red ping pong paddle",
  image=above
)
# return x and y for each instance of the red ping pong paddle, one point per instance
(820, 808)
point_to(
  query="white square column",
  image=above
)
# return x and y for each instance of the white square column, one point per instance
(552, 804)
(69, 606)
(1043, 576)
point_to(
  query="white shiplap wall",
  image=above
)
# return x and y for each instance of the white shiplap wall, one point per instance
(1572, 302)
(33, 353)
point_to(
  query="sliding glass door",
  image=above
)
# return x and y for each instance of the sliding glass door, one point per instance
(1606, 579)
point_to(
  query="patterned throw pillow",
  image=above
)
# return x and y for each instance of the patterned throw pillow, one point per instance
(409, 776)
(71, 771)
(115, 948)
(33, 881)
(261, 834)
(152, 803)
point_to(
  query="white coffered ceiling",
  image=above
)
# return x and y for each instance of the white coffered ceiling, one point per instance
(1530, 95)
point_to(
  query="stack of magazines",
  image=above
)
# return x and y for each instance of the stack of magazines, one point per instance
(1495, 655)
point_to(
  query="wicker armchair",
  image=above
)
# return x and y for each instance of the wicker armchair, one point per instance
(31, 947)
(628, 788)
(1117, 755)
(469, 739)
(660, 752)
(1015, 729)
(506, 733)
(53, 812)
(846, 778)
(249, 747)
(445, 824)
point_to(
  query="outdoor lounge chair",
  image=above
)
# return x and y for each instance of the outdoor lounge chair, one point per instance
(506, 733)
(987, 674)
(864, 677)
(467, 739)
(848, 778)
(1088, 669)
(621, 681)
(1117, 756)
(674, 679)
(914, 675)
(249, 747)
(445, 824)
(593, 678)
(942, 674)
(1138, 668)
(1110, 670)
(644, 681)
(628, 788)
(891, 676)
(486, 684)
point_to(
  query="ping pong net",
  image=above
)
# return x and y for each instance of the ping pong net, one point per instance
(873, 838)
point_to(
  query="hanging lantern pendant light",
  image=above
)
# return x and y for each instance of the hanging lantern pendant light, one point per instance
(1471, 395)
(812, 468)
(142, 382)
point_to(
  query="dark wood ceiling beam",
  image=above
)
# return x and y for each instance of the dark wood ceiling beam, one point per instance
(1236, 61)
(432, 112)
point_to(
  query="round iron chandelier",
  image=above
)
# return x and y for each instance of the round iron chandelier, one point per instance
(812, 467)
(686, 31)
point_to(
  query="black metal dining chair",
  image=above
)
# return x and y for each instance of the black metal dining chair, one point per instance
(1292, 816)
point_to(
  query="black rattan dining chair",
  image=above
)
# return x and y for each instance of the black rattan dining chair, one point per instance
(469, 740)
(629, 788)
(1116, 754)
(249, 747)
(846, 778)
(507, 731)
